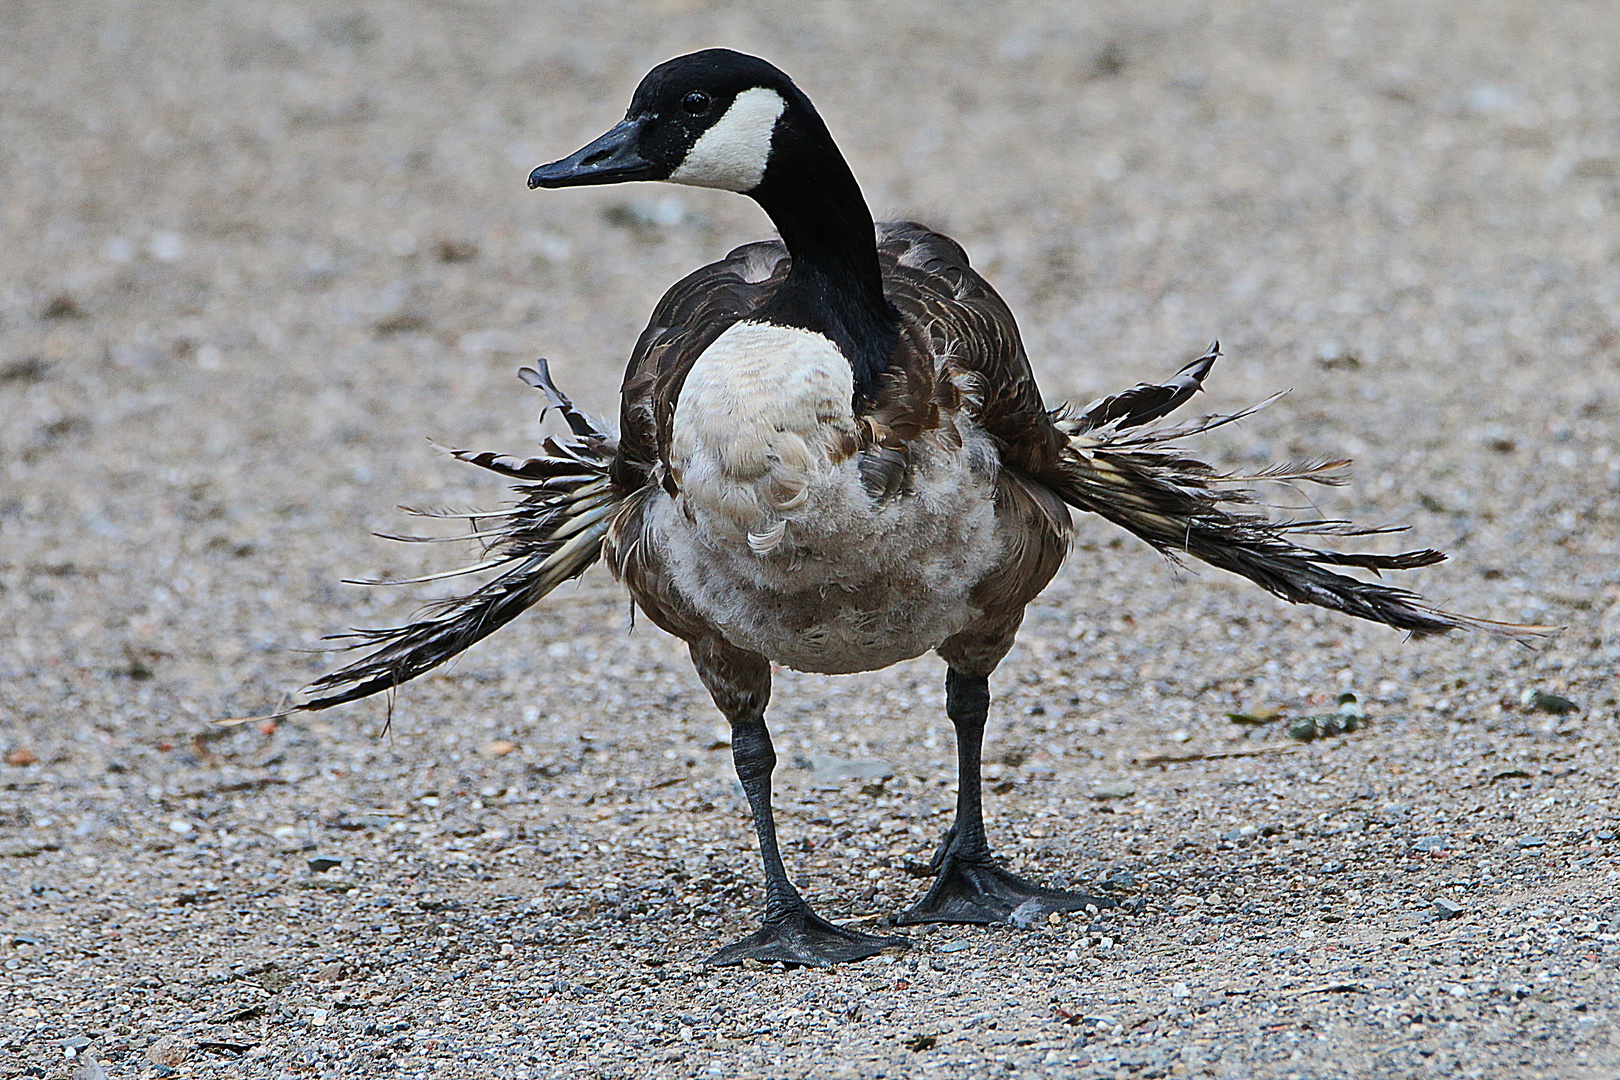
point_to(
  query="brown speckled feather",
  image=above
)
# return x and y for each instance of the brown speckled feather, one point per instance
(971, 338)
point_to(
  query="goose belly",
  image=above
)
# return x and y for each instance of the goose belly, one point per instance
(774, 540)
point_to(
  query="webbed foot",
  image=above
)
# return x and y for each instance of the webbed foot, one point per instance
(979, 891)
(804, 938)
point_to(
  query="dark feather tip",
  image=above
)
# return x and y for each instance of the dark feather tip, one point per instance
(1146, 402)
(540, 379)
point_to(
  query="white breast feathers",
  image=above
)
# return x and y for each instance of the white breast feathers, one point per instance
(763, 413)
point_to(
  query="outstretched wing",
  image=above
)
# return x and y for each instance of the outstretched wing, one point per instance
(551, 534)
(1137, 478)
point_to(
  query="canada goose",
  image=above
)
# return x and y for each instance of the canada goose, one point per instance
(832, 454)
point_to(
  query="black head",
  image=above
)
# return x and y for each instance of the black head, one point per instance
(705, 119)
(721, 119)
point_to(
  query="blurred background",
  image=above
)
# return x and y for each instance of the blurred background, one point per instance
(256, 253)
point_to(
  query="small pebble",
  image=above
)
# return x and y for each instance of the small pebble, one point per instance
(1303, 728)
(1542, 701)
(1324, 725)
(1447, 909)
(168, 1052)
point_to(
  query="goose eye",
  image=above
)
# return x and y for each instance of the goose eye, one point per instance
(697, 103)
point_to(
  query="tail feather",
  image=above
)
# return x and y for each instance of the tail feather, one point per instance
(1180, 505)
(551, 534)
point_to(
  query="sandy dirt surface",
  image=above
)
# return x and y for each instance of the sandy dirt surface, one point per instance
(256, 253)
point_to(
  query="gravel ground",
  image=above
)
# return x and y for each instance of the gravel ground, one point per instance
(255, 252)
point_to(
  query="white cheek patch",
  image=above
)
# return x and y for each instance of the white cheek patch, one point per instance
(732, 154)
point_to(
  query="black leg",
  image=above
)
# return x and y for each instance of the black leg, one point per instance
(971, 886)
(792, 933)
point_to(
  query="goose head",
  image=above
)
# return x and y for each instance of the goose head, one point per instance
(722, 119)
(715, 118)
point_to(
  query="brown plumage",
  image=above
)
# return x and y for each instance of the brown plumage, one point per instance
(551, 534)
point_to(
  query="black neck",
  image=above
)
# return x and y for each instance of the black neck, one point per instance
(834, 286)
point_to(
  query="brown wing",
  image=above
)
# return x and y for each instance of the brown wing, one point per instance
(696, 310)
(954, 325)
(958, 333)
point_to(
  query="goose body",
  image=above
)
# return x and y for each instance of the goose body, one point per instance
(777, 543)
(832, 454)
(787, 524)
